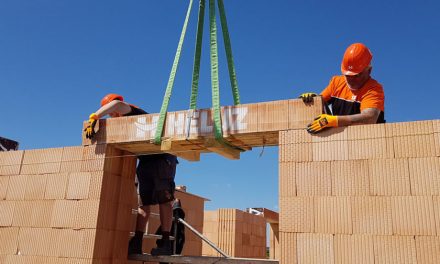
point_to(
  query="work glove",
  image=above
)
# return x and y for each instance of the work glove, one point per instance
(322, 121)
(307, 97)
(90, 129)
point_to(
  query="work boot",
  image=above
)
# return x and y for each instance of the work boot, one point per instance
(135, 244)
(165, 249)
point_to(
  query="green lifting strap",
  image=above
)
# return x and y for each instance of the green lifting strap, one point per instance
(228, 48)
(218, 132)
(214, 72)
(166, 99)
(198, 52)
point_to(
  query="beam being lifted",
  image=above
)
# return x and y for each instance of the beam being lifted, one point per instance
(188, 135)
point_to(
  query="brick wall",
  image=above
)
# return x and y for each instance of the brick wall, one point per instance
(361, 194)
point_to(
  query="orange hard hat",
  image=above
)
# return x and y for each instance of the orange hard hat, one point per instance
(357, 57)
(110, 97)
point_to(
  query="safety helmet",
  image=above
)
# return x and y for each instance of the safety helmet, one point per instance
(357, 57)
(111, 97)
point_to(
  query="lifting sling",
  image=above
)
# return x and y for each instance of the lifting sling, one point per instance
(218, 132)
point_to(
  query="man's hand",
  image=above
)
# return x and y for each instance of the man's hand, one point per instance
(90, 129)
(307, 97)
(321, 122)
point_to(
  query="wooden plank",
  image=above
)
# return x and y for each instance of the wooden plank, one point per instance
(189, 156)
(225, 151)
(199, 259)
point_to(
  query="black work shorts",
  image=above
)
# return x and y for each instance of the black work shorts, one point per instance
(155, 176)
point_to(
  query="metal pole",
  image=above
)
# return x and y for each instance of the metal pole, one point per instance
(203, 238)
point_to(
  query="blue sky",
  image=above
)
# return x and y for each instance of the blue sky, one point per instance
(59, 58)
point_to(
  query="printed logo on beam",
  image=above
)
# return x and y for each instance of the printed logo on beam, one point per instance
(200, 123)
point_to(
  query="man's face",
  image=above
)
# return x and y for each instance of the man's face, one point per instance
(356, 82)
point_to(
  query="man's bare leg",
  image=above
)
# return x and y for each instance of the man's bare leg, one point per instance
(135, 245)
(166, 216)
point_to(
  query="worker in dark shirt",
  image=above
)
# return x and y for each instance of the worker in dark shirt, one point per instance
(354, 96)
(155, 175)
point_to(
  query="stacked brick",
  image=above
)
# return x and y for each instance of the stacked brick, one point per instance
(237, 233)
(361, 194)
(66, 205)
(193, 207)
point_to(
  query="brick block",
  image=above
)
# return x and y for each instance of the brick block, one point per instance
(87, 213)
(9, 238)
(428, 249)
(394, 249)
(376, 148)
(288, 248)
(315, 248)
(287, 183)
(96, 184)
(437, 143)
(71, 166)
(35, 187)
(296, 136)
(39, 156)
(49, 241)
(333, 215)
(42, 213)
(63, 215)
(436, 203)
(409, 128)
(272, 116)
(301, 114)
(413, 215)
(72, 153)
(300, 152)
(354, 249)
(366, 132)
(141, 127)
(78, 185)
(350, 177)
(330, 135)
(56, 186)
(11, 157)
(297, 214)
(16, 187)
(72, 246)
(372, 215)
(6, 212)
(424, 175)
(4, 181)
(330, 150)
(23, 214)
(414, 146)
(41, 168)
(29, 241)
(313, 178)
(436, 126)
(389, 177)
(10, 170)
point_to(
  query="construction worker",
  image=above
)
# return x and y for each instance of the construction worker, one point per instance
(355, 98)
(155, 175)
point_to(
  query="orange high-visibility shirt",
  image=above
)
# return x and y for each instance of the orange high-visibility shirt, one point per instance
(345, 101)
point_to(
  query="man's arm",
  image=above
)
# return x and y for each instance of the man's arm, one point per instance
(367, 116)
(114, 107)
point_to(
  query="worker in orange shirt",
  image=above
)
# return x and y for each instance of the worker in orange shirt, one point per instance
(154, 173)
(355, 98)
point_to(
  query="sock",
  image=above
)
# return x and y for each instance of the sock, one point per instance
(165, 235)
(138, 234)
